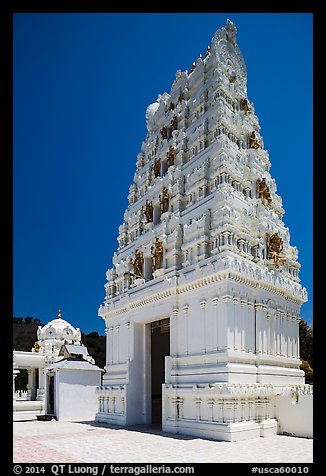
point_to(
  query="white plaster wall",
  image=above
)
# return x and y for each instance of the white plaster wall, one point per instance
(295, 416)
(75, 394)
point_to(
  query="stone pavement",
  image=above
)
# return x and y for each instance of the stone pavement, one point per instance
(90, 442)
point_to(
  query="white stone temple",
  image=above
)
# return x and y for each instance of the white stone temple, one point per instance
(203, 300)
(27, 404)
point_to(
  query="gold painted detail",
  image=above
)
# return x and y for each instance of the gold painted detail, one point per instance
(148, 211)
(252, 141)
(263, 191)
(138, 263)
(164, 200)
(157, 167)
(274, 245)
(244, 106)
(157, 254)
(170, 156)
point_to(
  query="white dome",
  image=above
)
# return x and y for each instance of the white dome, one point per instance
(58, 329)
(55, 333)
(151, 110)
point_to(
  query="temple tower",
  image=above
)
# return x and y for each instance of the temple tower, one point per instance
(203, 300)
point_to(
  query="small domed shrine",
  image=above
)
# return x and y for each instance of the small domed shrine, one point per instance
(46, 351)
(56, 333)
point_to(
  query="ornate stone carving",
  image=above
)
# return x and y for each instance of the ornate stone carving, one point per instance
(157, 254)
(164, 131)
(157, 167)
(252, 141)
(263, 191)
(164, 200)
(170, 156)
(149, 211)
(138, 263)
(274, 245)
(244, 106)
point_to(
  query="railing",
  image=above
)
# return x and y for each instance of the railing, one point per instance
(22, 395)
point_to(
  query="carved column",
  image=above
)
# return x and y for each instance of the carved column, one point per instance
(228, 318)
(174, 331)
(250, 336)
(297, 349)
(186, 330)
(117, 339)
(216, 331)
(203, 323)
(198, 408)
(128, 340)
(110, 344)
(244, 323)
(237, 324)
(260, 327)
(210, 403)
(15, 373)
(283, 333)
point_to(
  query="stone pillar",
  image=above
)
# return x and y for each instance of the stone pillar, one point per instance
(250, 335)
(288, 337)
(117, 340)
(272, 347)
(110, 345)
(283, 333)
(228, 317)
(185, 329)
(31, 390)
(203, 323)
(15, 373)
(107, 345)
(216, 326)
(128, 340)
(244, 324)
(296, 339)
(260, 328)
(174, 331)
(41, 385)
(237, 324)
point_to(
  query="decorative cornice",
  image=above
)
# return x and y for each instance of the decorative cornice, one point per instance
(201, 282)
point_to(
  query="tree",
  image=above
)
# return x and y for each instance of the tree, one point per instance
(306, 349)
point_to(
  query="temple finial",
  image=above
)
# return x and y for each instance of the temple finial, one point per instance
(59, 314)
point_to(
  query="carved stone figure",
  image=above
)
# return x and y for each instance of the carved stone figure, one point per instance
(244, 105)
(274, 245)
(157, 254)
(181, 97)
(174, 123)
(253, 143)
(170, 156)
(157, 167)
(263, 191)
(164, 132)
(138, 263)
(149, 211)
(164, 200)
(232, 78)
(172, 106)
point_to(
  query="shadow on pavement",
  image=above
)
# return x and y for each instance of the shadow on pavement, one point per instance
(153, 429)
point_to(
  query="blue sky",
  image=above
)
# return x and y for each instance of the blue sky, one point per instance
(82, 83)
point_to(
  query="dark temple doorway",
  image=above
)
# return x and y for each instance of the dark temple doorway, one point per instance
(160, 347)
(50, 401)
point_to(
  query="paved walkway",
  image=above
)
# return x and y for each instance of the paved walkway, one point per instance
(90, 442)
